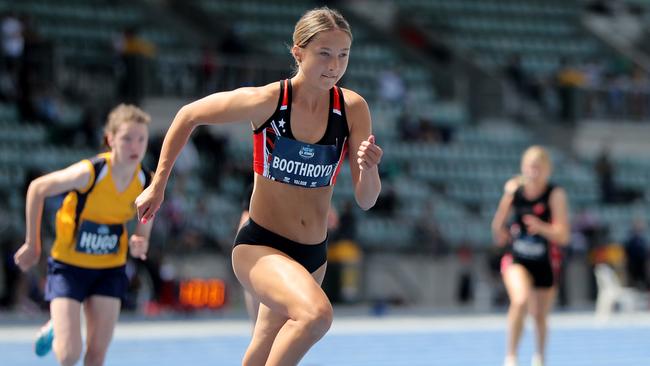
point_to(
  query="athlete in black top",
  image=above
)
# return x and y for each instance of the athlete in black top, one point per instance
(279, 253)
(540, 222)
(533, 251)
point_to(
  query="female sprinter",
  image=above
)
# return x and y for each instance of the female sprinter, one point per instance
(302, 129)
(86, 264)
(540, 222)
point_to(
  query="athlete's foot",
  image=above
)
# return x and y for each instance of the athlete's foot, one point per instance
(510, 361)
(44, 337)
(537, 360)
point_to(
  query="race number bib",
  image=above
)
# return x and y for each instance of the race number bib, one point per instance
(530, 247)
(303, 164)
(98, 239)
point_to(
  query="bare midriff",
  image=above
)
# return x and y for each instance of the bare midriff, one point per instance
(297, 213)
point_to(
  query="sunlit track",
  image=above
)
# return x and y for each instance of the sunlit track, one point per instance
(577, 339)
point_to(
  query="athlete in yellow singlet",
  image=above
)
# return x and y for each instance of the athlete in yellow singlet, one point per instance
(86, 264)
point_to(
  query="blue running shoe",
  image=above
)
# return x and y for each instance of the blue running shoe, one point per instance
(44, 338)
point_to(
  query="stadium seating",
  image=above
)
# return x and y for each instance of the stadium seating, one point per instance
(461, 179)
(541, 32)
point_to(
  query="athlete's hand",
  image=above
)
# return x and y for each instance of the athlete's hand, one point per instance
(148, 203)
(27, 256)
(138, 245)
(533, 224)
(369, 154)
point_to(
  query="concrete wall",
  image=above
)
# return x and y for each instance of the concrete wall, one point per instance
(433, 282)
(414, 280)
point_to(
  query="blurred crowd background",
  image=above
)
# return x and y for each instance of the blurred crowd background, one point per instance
(457, 91)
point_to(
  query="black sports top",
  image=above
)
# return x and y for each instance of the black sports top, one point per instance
(277, 155)
(526, 246)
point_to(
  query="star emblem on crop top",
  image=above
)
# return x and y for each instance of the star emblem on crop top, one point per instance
(281, 123)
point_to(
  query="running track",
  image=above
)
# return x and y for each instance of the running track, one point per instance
(576, 340)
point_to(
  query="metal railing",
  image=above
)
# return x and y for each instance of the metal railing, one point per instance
(632, 104)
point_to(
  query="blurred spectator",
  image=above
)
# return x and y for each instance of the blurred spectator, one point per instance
(566, 253)
(408, 126)
(428, 132)
(639, 93)
(524, 91)
(208, 71)
(91, 130)
(465, 290)
(211, 147)
(581, 239)
(515, 74)
(426, 233)
(187, 164)
(515, 87)
(134, 53)
(13, 45)
(392, 88)
(10, 271)
(617, 86)
(387, 202)
(155, 145)
(231, 44)
(601, 7)
(35, 74)
(499, 295)
(636, 253)
(47, 104)
(587, 235)
(568, 79)
(594, 79)
(610, 191)
(415, 37)
(590, 228)
(23, 290)
(421, 129)
(237, 70)
(342, 281)
(347, 227)
(173, 215)
(605, 173)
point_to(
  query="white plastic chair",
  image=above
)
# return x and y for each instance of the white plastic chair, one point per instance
(611, 292)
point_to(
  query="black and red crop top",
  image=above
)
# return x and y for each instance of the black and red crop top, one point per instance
(277, 155)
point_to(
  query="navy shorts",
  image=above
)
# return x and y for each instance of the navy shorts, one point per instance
(65, 280)
(312, 257)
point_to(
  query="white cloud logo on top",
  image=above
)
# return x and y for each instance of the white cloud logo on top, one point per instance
(306, 152)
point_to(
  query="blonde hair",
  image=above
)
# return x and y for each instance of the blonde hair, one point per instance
(537, 152)
(318, 20)
(121, 114)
